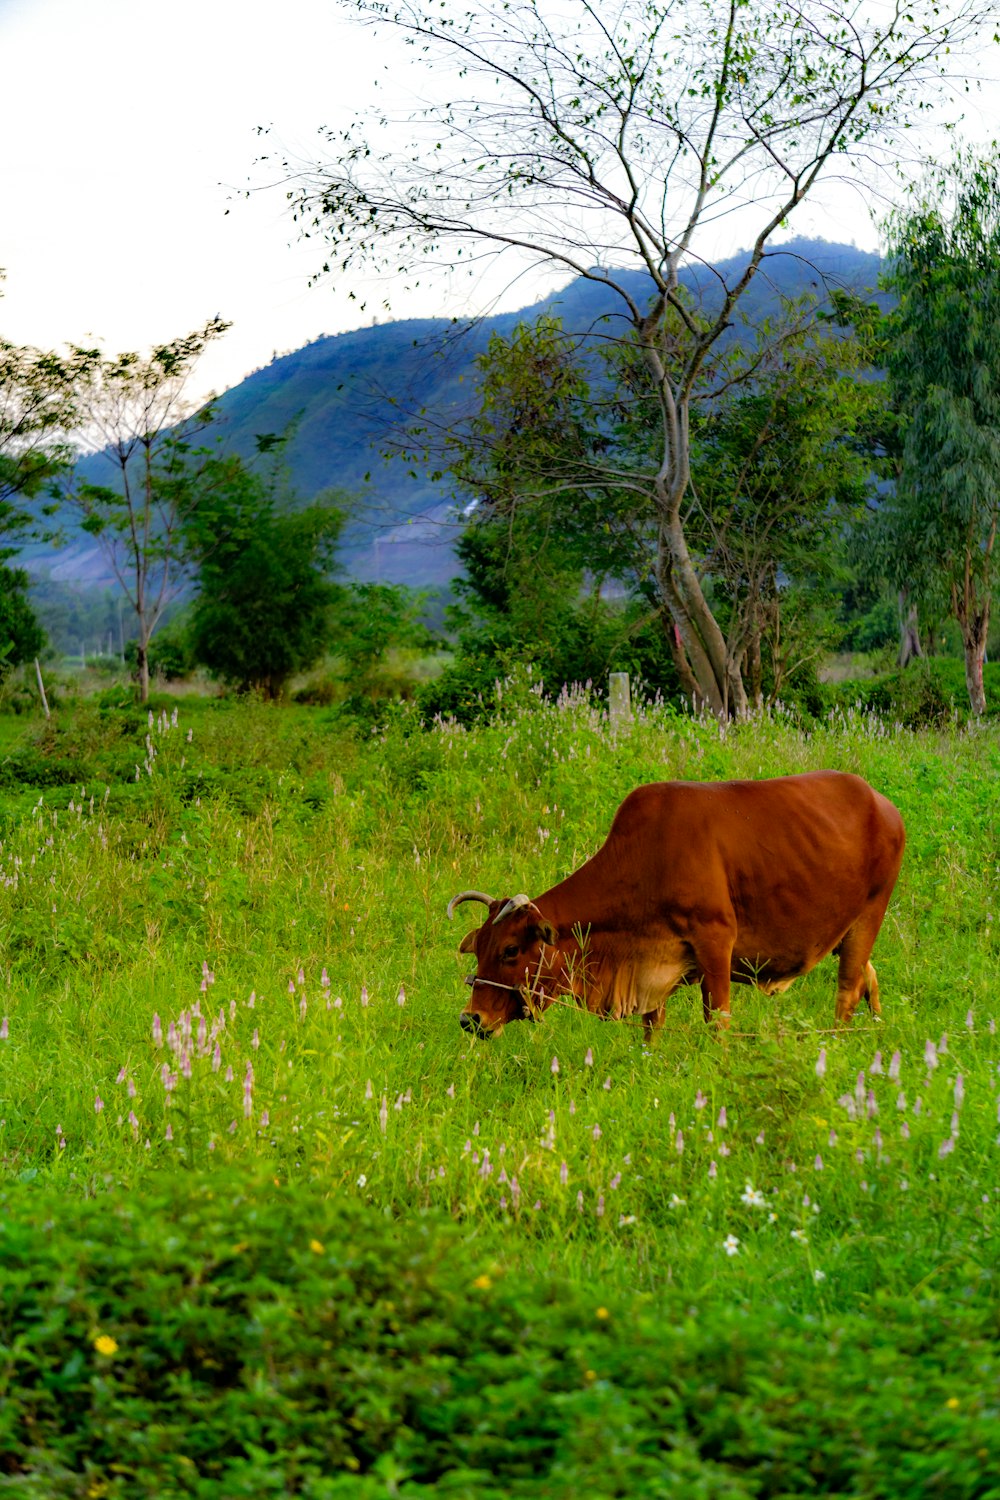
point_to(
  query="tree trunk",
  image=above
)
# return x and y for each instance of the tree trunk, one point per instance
(688, 681)
(910, 647)
(755, 667)
(700, 648)
(717, 680)
(142, 669)
(974, 633)
(973, 616)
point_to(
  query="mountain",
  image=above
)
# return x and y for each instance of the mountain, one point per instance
(342, 395)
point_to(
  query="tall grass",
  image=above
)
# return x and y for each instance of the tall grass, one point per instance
(228, 945)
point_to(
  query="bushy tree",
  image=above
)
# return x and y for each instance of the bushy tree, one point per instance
(939, 529)
(265, 595)
(21, 636)
(372, 619)
(548, 460)
(37, 411)
(545, 534)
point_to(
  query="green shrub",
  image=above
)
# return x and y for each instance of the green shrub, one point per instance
(465, 690)
(171, 653)
(244, 1338)
(927, 694)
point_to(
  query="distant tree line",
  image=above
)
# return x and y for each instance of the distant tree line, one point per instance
(180, 518)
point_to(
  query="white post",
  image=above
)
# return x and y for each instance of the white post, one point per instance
(41, 689)
(619, 700)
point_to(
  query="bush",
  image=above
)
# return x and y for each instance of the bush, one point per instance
(465, 690)
(241, 1338)
(926, 694)
(171, 655)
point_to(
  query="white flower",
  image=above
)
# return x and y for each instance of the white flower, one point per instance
(772, 1218)
(676, 1202)
(362, 1180)
(752, 1196)
(801, 1236)
(731, 1245)
(819, 1275)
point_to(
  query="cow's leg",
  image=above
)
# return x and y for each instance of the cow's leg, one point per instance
(653, 1021)
(870, 990)
(856, 978)
(715, 959)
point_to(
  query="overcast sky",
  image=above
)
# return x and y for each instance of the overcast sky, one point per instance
(128, 129)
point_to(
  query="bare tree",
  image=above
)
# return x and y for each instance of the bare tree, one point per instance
(133, 411)
(607, 141)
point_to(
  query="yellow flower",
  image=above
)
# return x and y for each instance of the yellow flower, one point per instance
(590, 1374)
(317, 1247)
(953, 1403)
(106, 1345)
(483, 1283)
(602, 1312)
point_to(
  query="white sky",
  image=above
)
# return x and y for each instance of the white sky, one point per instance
(128, 127)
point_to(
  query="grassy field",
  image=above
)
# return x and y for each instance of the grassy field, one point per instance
(235, 1103)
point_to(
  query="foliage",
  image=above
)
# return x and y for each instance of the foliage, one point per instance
(171, 653)
(323, 1350)
(928, 693)
(605, 147)
(779, 476)
(940, 526)
(77, 618)
(263, 609)
(21, 636)
(36, 411)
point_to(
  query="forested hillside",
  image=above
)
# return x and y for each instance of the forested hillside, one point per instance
(340, 398)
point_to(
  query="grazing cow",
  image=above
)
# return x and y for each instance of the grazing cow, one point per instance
(751, 882)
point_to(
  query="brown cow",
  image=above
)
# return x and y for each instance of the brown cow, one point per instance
(751, 882)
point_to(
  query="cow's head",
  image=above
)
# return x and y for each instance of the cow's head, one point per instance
(514, 963)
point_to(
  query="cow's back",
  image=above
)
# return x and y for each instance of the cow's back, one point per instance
(789, 863)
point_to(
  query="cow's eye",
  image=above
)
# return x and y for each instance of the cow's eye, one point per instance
(511, 952)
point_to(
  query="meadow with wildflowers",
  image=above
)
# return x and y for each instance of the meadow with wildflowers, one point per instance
(273, 1224)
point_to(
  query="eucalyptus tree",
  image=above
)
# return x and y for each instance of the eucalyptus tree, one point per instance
(939, 529)
(601, 142)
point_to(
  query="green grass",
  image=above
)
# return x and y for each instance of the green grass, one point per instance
(256, 849)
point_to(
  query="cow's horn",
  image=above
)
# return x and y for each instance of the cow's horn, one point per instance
(467, 896)
(514, 904)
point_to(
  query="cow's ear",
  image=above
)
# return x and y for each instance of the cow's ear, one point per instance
(468, 943)
(546, 931)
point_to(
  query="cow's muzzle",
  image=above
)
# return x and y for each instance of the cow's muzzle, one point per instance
(470, 1022)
